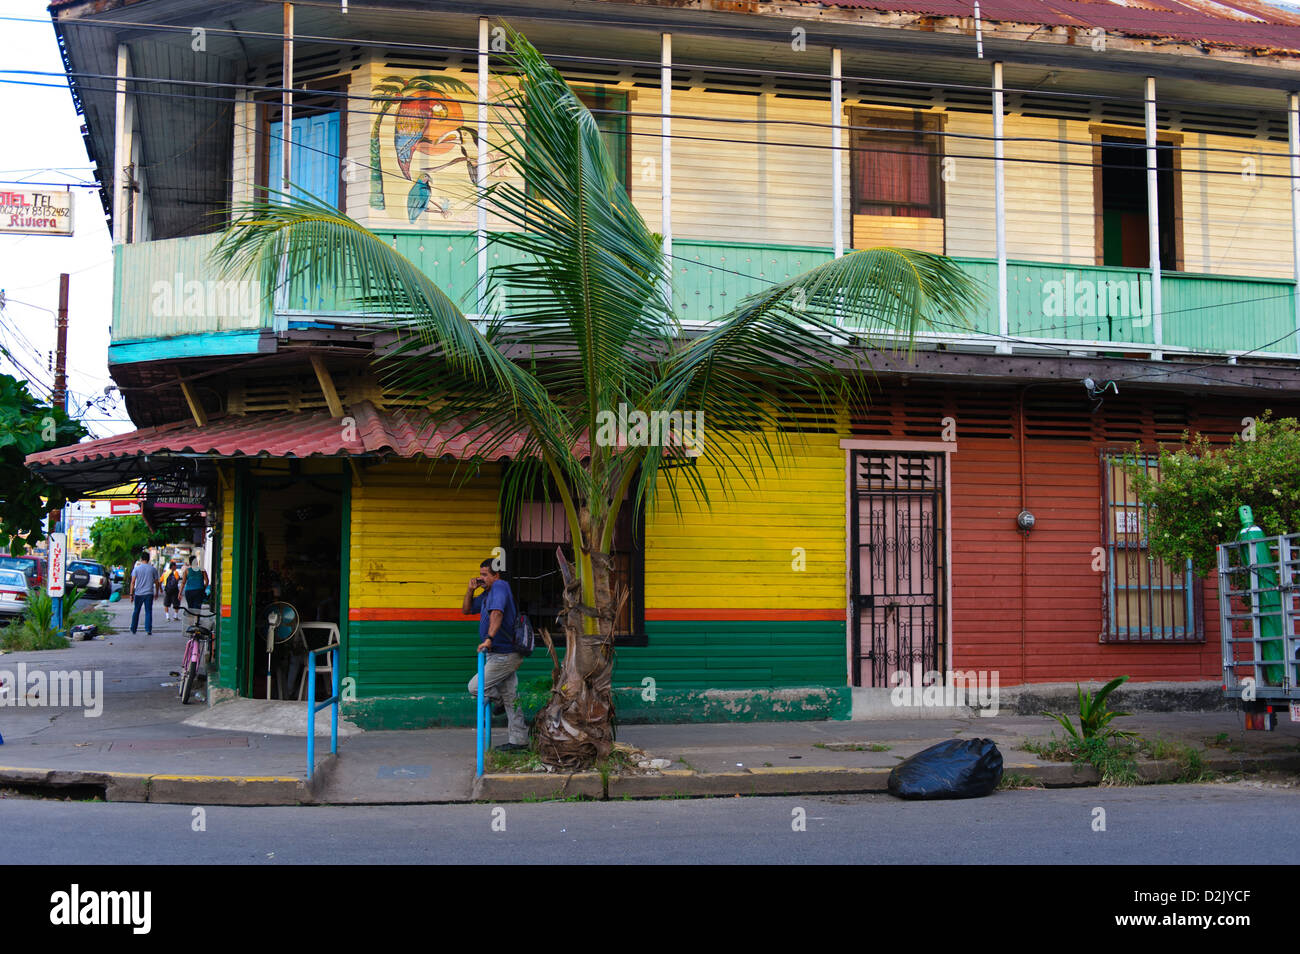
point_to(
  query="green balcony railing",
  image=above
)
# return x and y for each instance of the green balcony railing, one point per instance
(170, 288)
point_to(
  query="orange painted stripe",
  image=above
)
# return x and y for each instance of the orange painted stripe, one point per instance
(743, 614)
(453, 615)
(406, 613)
(225, 611)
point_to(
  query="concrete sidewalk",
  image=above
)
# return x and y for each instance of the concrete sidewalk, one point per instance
(145, 746)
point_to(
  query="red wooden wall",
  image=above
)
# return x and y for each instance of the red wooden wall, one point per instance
(1032, 607)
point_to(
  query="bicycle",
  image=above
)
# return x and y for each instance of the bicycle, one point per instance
(198, 635)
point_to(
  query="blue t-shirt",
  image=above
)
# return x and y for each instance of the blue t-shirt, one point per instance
(497, 598)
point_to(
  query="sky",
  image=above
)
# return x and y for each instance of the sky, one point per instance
(41, 142)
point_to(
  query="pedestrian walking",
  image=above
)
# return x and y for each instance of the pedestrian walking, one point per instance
(145, 587)
(196, 584)
(172, 591)
(496, 630)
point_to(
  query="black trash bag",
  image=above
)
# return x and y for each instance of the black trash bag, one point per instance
(960, 768)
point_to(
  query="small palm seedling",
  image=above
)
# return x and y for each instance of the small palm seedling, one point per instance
(1094, 716)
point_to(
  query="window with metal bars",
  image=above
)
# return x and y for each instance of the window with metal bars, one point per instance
(531, 539)
(1146, 601)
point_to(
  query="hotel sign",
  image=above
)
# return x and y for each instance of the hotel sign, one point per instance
(36, 212)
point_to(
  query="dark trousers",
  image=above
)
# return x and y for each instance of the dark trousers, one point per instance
(147, 603)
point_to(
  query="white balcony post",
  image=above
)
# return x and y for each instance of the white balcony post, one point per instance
(1000, 211)
(837, 157)
(121, 153)
(666, 161)
(480, 175)
(1153, 219)
(1293, 146)
(286, 101)
(279, 318)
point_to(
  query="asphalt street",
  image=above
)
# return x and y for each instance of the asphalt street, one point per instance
(1248, 822)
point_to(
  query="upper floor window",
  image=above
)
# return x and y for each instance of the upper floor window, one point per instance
(316, 151)
(609, 107)
(1122, 211)
(897, 189)
(1146, 601)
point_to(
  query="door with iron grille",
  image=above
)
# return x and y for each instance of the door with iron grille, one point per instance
(898, 564)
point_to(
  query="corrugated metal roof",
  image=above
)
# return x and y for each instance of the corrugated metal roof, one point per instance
(288, 434)
(1240, 23)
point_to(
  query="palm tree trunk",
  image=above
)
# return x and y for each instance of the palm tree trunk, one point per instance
(576, 728)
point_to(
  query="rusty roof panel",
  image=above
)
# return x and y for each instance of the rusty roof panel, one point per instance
(1237, 23)
(290, 434)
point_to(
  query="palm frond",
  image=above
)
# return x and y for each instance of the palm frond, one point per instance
(796, 348)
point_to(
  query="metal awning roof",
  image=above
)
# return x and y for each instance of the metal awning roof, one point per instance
(364, 431)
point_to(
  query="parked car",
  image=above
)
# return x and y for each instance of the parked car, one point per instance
(32, 567)
(118, 577)
(97, 587)
(13, 593)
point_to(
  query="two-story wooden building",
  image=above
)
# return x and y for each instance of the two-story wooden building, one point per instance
(1120, 179)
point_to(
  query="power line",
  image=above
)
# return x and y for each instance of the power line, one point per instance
(852, 149)
(780, 35)
(939, 134)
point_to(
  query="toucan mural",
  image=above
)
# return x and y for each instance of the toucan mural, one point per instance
(428, 121)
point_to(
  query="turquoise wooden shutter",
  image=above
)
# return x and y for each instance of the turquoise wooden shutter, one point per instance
(314, 160)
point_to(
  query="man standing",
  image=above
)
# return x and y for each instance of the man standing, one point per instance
(145, 586)
(496, 630)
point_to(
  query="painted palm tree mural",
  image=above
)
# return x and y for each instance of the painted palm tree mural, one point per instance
(428, 121)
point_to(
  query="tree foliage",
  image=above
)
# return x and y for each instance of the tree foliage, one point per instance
(117, 541)
(1193, 503)
(26, 427)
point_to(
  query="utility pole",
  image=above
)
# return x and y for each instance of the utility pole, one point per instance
(61, 354)
(60, 399)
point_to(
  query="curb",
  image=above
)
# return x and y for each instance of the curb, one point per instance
(163, 788)
(812, 780)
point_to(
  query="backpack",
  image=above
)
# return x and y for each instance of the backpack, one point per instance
(525, 636)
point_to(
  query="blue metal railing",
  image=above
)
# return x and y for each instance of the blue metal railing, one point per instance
(483, 725)
(314, 707)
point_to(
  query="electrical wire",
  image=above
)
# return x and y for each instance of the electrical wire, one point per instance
(857, 149)
(749, 32)
(939, 134)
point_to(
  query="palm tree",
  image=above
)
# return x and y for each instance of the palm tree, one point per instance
(589, 330)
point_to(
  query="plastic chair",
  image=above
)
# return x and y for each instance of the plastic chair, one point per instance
(325, 661)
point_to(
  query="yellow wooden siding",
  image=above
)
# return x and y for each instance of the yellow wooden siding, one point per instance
(416, 537)
(738, 553)
(898, 231)
(227, 537)
(765, 186)
(244, 168)
(1231, 224)
(1049, 203)
(356, 145)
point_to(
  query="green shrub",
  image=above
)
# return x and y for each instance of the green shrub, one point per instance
(36, 630)
(1193, 505)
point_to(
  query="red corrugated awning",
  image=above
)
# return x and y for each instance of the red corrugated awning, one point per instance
(364, 431)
